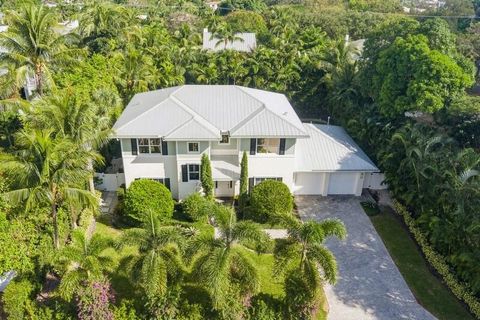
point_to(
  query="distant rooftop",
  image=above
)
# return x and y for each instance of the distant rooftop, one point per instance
(247, 43)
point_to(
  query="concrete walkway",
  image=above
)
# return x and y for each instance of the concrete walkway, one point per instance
(369, 285)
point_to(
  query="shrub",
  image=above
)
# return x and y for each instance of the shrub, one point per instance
(197, 207)
(268, 199)
(206, 176)
(16, 299)
(146, 194)
(265, 307)
(437, 261)
(94, 301)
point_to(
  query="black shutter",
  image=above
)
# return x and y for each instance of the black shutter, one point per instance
(184, 173)
(167, 183)
(282, 146)
(164, 148)
(279, 179)
(253, 146)
(133, 143)
(251, 182)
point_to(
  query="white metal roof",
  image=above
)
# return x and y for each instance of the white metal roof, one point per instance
(247, 42)
(204, 112)
(330, 148)
(225, 168)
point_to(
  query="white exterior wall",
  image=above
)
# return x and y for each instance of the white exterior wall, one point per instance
(183, 157)
(272, 166)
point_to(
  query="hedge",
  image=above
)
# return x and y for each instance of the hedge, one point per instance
(438, 262)
(143, 195)
(268, 199)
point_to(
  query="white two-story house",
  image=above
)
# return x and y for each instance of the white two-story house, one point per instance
(164, 133)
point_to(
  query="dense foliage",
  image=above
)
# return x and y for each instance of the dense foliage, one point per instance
(145, 195)
(52, 141)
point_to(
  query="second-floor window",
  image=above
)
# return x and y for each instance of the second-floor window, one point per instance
(268, 145)
(147, 146)
(225, 139)
(193, 147)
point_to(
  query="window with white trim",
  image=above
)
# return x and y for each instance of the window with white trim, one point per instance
(193, 147)
(268, 145)
(225, 139)
(147, 146)
(193, 172)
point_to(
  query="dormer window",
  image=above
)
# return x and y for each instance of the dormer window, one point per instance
(225, 139)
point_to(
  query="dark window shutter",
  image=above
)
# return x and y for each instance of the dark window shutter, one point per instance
(133, 142)
(282, 146)
(280, 179)
(184, 173)
(164, 148)
(167, 183)
(251, 182)
(253, 146)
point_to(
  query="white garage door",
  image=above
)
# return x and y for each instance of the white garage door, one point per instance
(309, 183)
(342, 183)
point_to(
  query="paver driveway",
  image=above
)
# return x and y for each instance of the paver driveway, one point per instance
(369, 285)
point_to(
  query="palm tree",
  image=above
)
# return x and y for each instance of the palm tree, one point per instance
(158, 262)
(87, 123)
(220, 262)
(82, 261)
(47, 170)
(225, 34)
(303, 254)
(31, 41)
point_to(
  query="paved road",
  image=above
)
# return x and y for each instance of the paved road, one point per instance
(370, 285)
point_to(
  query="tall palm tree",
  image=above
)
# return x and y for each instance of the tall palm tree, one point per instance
(225, 34)
(303, 254)
(31, 41)
(221, 261)
(87, 123)
(83, 260)
(47, 170)
(158, 262)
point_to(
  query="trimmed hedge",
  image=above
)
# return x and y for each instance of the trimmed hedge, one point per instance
(143, 195)
(197, 207)
(438, 262)
(270, 198)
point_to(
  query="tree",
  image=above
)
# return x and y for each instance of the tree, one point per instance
(146, 195)
(220, 263)
(225, 34)
(83, 261)
(31, 41)
(247, 21)
(158, 263)
(439, 35)
(206, 176)
(301, 256)
(47, 170)
(243, 195)
(94, 301)
(410, 76)
(196, 207)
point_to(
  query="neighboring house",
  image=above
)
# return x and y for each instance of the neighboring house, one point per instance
(247, 42)
(164, 133)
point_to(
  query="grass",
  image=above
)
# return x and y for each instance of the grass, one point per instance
(429, 291)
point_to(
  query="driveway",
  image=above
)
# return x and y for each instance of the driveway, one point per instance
(369, 284)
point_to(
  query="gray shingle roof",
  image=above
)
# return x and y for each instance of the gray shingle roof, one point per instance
(203, 112)
(330, 148)
(247, 44)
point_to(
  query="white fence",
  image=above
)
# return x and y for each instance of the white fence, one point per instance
(109, 181)
(374, 181)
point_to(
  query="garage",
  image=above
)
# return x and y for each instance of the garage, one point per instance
(342, 183)
(309, 183)
(329, 162)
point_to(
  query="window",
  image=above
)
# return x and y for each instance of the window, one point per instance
(269, 145)
(164, 181)
(193, 147)
(260, 179)
(193, 172)
(225, 139)
(149, 145)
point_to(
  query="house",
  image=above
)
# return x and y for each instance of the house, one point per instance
(164, 133)
(246, 42)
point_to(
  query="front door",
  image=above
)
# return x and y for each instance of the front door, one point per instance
(224, 188)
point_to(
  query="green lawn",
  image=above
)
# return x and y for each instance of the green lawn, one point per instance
(427, 288)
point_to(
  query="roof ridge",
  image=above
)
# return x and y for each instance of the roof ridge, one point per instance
(301, 128)
(204, 122)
